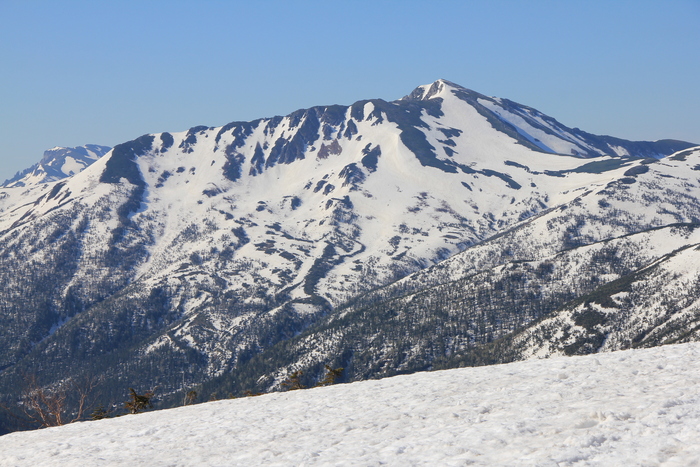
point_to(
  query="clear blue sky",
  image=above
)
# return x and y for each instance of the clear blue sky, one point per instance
(104, 72)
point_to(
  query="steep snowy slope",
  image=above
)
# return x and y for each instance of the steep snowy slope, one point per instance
(57, 164)
(654, 305)
(188, 253)
(638, 407)
(449, 314)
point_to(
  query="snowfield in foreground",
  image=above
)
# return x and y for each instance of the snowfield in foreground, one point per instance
(639, 407)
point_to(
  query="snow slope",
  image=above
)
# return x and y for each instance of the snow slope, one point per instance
(58, 163)
(192, 252)
(639, 407)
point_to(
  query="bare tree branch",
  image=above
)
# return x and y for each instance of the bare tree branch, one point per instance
(50, 405)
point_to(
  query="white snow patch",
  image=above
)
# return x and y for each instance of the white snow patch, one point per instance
(72, 166)
(638, 407)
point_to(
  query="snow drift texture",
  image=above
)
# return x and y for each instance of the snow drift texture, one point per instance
(639, 407)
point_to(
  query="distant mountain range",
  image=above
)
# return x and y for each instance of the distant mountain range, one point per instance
(442, 229)
(57, 164)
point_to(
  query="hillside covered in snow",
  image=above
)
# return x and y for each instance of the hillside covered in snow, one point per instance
(58, 163)
(632, 408)
(443, 229)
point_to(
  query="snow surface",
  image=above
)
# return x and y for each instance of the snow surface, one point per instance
(71, 166)
(638, 407)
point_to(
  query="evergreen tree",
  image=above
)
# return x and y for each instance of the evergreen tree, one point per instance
(138, 402)
(332, 375)
(190, 397)
(99, 413)
(293, 382)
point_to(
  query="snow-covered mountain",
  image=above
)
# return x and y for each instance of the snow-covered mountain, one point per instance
(57, 164)
(612, 269)
(637, 407)
(178, 257)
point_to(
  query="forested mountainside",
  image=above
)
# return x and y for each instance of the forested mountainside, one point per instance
(565, 282)
(382, 236)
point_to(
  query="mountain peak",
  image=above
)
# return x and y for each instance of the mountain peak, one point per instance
(189, 254)
(432, 90)
(58, 163)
